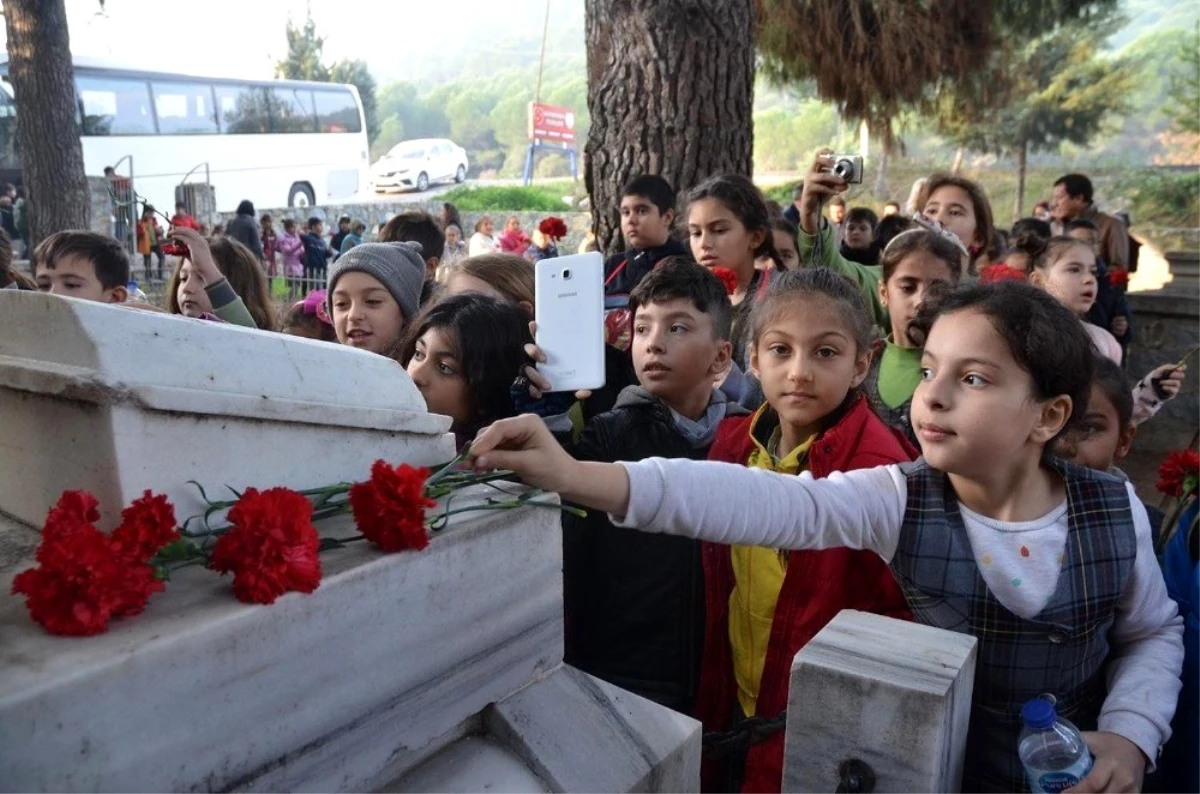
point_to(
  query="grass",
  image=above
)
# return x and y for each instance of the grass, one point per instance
(539, 197)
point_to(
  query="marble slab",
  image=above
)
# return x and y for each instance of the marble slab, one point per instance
(341, 690)
(894, 694)
(115, 401)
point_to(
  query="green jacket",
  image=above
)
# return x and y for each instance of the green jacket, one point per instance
(228, 305)
(821, 250)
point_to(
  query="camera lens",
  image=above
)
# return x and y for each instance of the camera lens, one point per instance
(566, 274)
(843, 169)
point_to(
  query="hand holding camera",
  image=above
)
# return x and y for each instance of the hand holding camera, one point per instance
(829, 175)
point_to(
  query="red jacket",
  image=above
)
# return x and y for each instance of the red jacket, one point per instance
(817, 585)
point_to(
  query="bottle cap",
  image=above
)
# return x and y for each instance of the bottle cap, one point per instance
(1038, 714)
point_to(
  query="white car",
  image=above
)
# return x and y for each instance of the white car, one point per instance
(419, 164)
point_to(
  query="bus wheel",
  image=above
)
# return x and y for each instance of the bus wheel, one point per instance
(460, 175)
(301, 195)
(422, 182)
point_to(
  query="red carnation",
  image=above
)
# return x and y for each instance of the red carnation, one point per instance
(83, 580)
(728, 278)
(147, 525)
(1000, 272)
(1179, 475)
(272, 547)
(390, 507)
(1118, 277)
(554, 228)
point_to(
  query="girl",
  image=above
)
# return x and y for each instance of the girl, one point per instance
(961, 207)
(514, 240)
(149, 241)
(1049, 565)
(810, 335)
(461, 353)
(913, 263)
(783, 232)
(219, 277)
(270, 243)
(1024, 233)
(373, 291)
(1066, 268)
(309, 319)
(728, 226)
(502, 276)
(482, 241)
(292, 248)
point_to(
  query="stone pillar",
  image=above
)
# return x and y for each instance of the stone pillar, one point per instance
(893, 695)
(1166, 327)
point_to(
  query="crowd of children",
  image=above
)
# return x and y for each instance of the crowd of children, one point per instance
(805, 411)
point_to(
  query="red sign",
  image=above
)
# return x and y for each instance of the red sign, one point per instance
(550, 123)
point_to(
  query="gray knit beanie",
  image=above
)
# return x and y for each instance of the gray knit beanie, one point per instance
(398, 266)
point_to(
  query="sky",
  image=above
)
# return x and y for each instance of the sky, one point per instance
(244, 38)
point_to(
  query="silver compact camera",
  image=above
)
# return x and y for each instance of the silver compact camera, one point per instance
(848, 166)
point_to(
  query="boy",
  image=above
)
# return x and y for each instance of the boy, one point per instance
(647, 215)
(858, 241)
(635, 602)
(182, 218)
(316, 251)
(1111, 309)
(420, 227)
(335, 242)
(83, 265)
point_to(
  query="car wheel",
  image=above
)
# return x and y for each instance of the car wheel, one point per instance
(461, 174)
(422, 182)
(301, 195)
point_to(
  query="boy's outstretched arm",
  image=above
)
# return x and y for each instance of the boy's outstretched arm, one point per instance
(525, 445)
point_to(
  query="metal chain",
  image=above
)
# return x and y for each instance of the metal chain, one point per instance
(743, 735)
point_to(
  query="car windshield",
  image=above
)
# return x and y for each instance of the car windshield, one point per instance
(403, 152)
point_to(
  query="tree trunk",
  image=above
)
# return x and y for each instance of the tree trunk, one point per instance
(880, 189)
(670, 92)
(958, 160)
(43, 81)
(1022, 161)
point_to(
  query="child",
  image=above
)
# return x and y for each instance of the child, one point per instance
(837, 217)
(914, 264)
(372, 292)
(1106, 432)
(83, 265)
(729, 227)
(335, 242)
(647, 216)
(316, 250)
(514, 240)
(1111, 310)
(482, 241)
(419, 227)
(1047, 564)
(857, 241)
(183, 218)
(784, 233)
(149, 241)
(634, 603)
(461, 353)
(962, 207)
(818, 242)
(353, 238)
(1066, 268)
(1024, 233)
(291, 246)
(811, 334)
(270, 243)
(308, 318)
(219, 277)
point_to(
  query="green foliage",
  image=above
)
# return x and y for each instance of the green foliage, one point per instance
(1167, 198)
(548, 197)
(1184, 83)
(1058, 90)
(304, 62)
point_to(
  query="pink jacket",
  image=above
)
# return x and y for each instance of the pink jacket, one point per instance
(291, 246)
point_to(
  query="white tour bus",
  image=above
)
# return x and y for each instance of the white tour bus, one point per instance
(274, 142)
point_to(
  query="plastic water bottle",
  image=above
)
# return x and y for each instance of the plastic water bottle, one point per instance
(1052, 750)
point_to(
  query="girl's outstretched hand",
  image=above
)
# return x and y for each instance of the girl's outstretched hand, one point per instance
(1119, 764)
(198, 252)
(820, 185)
(524, 445)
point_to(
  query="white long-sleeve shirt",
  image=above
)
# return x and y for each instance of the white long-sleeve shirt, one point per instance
(864, 509)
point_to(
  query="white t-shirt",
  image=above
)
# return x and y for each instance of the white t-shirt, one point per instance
(864, 509)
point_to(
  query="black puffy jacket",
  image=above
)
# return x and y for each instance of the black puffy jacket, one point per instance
(634, 601)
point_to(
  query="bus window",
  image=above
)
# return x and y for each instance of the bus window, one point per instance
(114, 106)
(184, 108)
(336, 111)
(244, 110)
(294, 111)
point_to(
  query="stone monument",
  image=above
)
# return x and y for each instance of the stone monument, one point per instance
(433, 670)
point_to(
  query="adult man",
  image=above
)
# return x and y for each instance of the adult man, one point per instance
(1073, 200)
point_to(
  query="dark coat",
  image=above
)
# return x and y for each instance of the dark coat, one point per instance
(622, 272)
(244, 229)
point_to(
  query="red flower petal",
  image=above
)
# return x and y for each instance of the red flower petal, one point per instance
(1175, 471)
(147, 525)
(390, 507)
(272, 548)
(728, 278)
